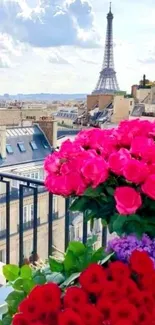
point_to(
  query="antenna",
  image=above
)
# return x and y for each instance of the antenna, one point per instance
(110, 7)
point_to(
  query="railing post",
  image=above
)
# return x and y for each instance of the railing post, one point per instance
(104, 236)
(84, 228)
(50, 224)
(7, 222)
(35, 222)
(20, 225)
(67, 203)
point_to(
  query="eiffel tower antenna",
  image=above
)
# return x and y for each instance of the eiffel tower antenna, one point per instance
(107, 82)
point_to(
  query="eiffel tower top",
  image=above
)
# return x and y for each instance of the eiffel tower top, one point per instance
(110, 15)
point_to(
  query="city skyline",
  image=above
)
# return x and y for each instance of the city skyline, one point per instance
(58, 46)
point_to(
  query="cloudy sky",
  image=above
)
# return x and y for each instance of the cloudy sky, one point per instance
(57, 46)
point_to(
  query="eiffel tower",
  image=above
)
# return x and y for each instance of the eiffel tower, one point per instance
(107, 82)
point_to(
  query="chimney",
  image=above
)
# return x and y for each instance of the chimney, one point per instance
(49, 127)
(3, 142)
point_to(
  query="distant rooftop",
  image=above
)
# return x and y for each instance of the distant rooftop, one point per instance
(29, 144)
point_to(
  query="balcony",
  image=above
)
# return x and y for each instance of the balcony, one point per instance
(34, 189)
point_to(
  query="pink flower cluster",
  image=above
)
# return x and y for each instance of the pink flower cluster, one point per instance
(127, 151)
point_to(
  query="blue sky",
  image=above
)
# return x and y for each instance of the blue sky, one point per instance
(57, 46)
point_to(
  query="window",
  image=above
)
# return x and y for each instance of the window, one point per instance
(9, 148)
(3, 256)
(21, 147)
(45, 145)
(28, 213)
(2, 222)
(27, 248)
(55, 203)
(33, 145)
(77, 232)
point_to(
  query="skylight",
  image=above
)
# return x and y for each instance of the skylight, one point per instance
(21, 147)
(9, 149)
(33, 145)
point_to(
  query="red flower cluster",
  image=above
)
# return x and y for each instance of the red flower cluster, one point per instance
(90, 160)
(119, 294)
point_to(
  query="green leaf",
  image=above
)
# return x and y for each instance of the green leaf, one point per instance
(70, 262)
(71, 279)
(107, 258)
(93, 192)
(77, 248)
(7, 320)
(134, 224)
(119, 223)
(26, 272)
(91, 241)
(11, 272)
(13, 300)
(112, 219)
(110, 190)
(79, 204)
(55, 265)
(55, 277)
(28, 285)
(18, 284)
(39, 278)
(98, 255)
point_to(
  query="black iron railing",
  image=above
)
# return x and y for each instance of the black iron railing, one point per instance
(32, 187)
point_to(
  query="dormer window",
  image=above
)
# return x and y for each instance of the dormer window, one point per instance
(21, 146)
(9, 149)
(33, 145)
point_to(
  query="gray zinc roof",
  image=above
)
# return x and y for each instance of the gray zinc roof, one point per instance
(25, 136)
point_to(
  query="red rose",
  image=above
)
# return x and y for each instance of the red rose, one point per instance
(74, 298)
(93, 279)
(112, 292)
(147, 300)
(144, 317)
(149, 186)
(119, 271)
(128, 200)
(30, 309)
(141, 263)
(69, 317)
(135, 171)
(124, 311)
(105, 308)
(51, 295)
(122, 322)
(20, 319)
(90, 315)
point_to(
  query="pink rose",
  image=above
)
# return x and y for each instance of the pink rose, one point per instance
(149, 186)
(128, 200)
(117, 160)
(151, 168)
(66, 185)
(52, 163)
(135, 171)
(144, 148)
(95, 171)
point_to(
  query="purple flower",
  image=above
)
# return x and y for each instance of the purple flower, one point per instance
(124, 246)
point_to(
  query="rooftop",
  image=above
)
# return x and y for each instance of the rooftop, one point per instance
(28, 144)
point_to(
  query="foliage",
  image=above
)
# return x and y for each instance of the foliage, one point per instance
(124, 297)
(62, 272)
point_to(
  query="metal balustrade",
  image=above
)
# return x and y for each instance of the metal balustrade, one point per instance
(31, 187)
